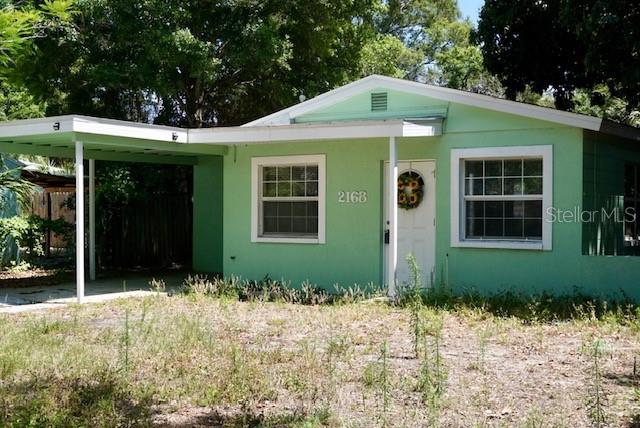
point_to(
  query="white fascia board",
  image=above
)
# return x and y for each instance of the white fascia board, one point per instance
(298, 132)
(117, 128)
(26, 127)
(90, 125)
(419, 128)
(436, 92)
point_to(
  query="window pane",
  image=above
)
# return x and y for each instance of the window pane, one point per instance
(269, 173)
(296, 217)
(473, 168)
(533, 209)
(630, 182)
(513, 168)
(269, 189)
(513, 228)
(533, 186)
(299, 209)
(533, 228)
(299, 225)
(285, 225)
(533, 167)
(475, 209)
(284, 209)
(270, 209)
(312, 225)
(493, 227)
(312, 173)
(298, 188)
(284, 189)
(312, 208)
(493, 186)
(473, 186)
(498, 179)
(312, 188)
(494, 209)
(513, 186)
(474, 228)
(284, 173)
(493, 168)
(270, 225)
(514, 209)
(298, 173)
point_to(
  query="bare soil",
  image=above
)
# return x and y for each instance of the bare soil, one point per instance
(228, 363)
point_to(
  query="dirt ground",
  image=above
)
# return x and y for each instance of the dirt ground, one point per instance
(228, 363)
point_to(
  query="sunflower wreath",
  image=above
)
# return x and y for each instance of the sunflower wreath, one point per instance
(410, 190)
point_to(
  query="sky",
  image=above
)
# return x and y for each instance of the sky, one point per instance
(470, 8)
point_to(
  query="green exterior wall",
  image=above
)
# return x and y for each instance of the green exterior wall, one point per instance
(207, 214)
(354, 239)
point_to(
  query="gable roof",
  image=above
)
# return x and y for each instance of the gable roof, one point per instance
(286, 116)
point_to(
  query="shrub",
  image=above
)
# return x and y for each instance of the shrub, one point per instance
(268, 290)
(29, 233)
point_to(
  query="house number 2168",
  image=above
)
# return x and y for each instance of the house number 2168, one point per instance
(357, 197)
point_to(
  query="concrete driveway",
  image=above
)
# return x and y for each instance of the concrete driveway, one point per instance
(22, 299)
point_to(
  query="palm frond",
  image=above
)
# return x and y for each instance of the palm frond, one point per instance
(12, 183)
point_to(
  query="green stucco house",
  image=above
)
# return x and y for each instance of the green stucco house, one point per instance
(487, 194)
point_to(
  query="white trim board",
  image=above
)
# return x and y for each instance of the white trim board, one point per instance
(444, 94)
(459, 155)
(256, 163)
(317, 131)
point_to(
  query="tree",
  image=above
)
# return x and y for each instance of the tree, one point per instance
(21, 23)
(425, 40)
(195, 63)
(18, 103)
(565, 45)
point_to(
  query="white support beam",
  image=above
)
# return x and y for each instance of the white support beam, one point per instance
(92, 219)
(392, 192)
(79, 222)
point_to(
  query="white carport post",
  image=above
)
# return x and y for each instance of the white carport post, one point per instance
(392, 193)
(92, 219)
(79, 222)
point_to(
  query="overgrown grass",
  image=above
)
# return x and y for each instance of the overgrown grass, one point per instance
(529, 308)
(262, 354)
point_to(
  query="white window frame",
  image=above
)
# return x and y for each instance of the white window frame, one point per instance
(458, 156)
(256, 196)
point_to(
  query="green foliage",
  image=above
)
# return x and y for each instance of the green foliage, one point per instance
(584, 44)
(596, 398)
(17, 103)
(29, 233)
(12, 184)
(22, 22)
(195, 64)
(432, 375)
(387, 55)
(268, 290)
(426, 40)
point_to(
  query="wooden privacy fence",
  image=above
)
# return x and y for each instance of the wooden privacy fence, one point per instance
(54, 206)
(155, 232)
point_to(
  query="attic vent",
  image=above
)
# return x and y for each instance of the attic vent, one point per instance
(379, 101)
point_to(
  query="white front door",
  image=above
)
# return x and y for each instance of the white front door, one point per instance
(416, 224)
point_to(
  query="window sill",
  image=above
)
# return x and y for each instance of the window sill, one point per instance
(286, 240)
(507, 245)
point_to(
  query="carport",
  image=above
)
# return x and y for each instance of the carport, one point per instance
(87, 138)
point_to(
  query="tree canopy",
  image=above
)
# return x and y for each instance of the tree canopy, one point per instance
(567, 45)
(205, 63)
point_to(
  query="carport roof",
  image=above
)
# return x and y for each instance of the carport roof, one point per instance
(103, 139)
(107, 139)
